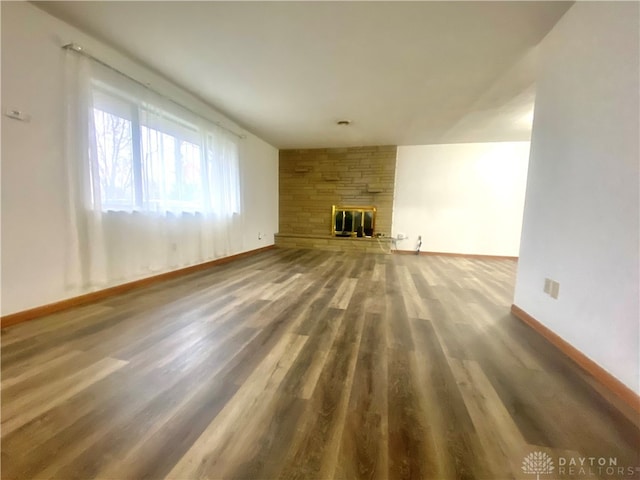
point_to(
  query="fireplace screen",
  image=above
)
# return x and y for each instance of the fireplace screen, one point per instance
(353, 221)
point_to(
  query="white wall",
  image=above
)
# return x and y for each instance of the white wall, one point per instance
(33, 199)
(581, 219)
(461, 198)
(259, 164)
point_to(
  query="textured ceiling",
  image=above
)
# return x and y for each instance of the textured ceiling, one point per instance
(403, 72)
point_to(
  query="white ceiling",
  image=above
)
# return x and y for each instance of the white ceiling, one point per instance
(404, 73)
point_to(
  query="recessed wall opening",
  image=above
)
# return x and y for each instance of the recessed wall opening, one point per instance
(353, 221)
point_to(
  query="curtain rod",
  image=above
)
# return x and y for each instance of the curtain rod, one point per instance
(74, 47)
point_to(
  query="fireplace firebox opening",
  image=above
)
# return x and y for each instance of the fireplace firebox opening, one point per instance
(353, 221)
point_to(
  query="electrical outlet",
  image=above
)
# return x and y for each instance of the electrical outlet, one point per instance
(551, 288)
(401, 236)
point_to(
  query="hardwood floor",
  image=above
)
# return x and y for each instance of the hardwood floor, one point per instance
(303, 364)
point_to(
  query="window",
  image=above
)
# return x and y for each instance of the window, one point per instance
(149, 159)
(152, 186)
(114, 147)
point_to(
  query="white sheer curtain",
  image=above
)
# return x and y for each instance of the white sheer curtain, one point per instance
(152, 187)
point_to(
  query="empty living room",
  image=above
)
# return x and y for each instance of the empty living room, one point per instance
(320, 240)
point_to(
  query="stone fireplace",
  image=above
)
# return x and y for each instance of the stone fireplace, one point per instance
(336, 198)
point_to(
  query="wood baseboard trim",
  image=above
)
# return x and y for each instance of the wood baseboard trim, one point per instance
(463, 255)
(37, 312)
(607, 380)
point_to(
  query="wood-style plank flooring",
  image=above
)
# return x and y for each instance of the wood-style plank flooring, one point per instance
(302, 364)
